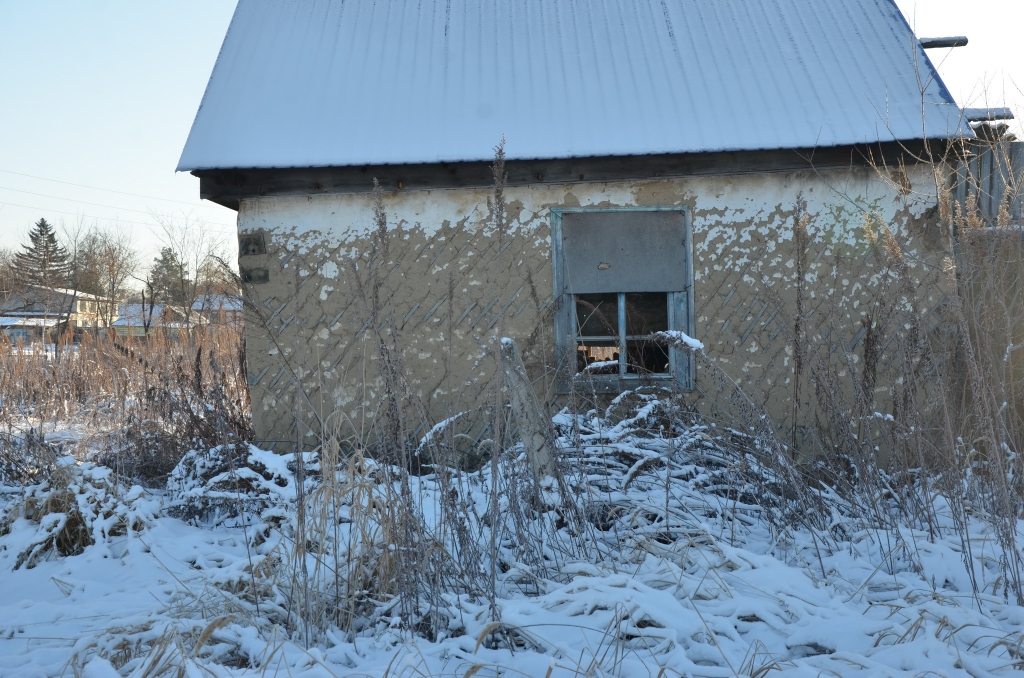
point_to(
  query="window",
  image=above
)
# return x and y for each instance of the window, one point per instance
(601, 331)
(621, 275)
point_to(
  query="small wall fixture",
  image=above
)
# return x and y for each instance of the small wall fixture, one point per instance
(255, 276)
(251, 244)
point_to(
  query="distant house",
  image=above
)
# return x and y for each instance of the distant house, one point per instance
(658, 157)
(139, 320)
(31, 313)
(219, 309)
(26, 329)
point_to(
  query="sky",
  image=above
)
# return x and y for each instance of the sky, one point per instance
(100, 94)
(989, 71)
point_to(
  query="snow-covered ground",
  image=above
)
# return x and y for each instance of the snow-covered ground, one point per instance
(713, 590)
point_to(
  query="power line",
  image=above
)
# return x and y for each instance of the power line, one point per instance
(90, 216)
(97, 188)
(83, 202)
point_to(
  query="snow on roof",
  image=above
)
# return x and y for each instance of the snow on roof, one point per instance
(334, 83)
(139, 315)
(131, 315)
(22, 321)
(217, 302)
(67, 291)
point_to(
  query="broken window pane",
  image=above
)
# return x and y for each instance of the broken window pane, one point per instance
(601, 356)
(646, 313)
(597, 315)
(646, 357)
(599, 331)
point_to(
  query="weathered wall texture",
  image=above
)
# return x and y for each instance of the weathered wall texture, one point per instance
(454, 283)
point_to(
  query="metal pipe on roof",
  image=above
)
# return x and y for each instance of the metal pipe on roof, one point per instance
(949, 41)
(986, 114)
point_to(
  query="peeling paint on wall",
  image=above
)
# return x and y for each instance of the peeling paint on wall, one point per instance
(452, 288)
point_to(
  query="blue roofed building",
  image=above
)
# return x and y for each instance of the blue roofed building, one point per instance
(658, 159)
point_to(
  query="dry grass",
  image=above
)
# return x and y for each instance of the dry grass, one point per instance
(138, 405)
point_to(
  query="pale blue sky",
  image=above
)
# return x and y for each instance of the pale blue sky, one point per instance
(103, 92)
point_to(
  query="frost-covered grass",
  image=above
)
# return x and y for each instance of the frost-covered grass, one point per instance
(677, 564)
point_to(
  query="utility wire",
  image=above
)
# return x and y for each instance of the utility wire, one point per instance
(97, 188)
(94, 204)
(90, 216)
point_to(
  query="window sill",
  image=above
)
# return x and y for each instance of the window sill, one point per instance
(614, 383)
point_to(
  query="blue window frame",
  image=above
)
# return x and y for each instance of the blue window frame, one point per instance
(606, 310)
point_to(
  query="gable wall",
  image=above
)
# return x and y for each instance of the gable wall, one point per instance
(454, 283)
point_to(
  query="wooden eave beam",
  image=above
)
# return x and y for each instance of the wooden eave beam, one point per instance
(228, 186)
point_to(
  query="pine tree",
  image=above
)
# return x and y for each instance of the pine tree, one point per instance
(170, 278)
(44, 262)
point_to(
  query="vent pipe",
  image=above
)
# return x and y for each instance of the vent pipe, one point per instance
(950, 41)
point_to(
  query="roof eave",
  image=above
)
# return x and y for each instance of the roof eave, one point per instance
(227, 186)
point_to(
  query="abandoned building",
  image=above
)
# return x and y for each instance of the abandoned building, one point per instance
(658, 157)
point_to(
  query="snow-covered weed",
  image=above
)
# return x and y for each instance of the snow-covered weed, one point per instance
(78, 506)
(678, 568)
(237, 483)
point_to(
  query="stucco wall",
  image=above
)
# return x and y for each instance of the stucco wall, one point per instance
(454, 283)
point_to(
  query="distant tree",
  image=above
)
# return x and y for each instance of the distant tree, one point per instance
(8, 284)
(191, 252)
(218, 279)
(44, 261)
(85, 258)
(6, 268)
(169, 279)
(117, 261)
(101, 260)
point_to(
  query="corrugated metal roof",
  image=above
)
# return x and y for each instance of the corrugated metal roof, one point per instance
(304, 83)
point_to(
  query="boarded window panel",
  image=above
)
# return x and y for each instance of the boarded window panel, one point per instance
(629, 251)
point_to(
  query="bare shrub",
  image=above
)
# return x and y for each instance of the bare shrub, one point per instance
(25, 456)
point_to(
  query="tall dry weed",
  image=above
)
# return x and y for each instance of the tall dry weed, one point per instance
(911, 420)
(135, 404)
